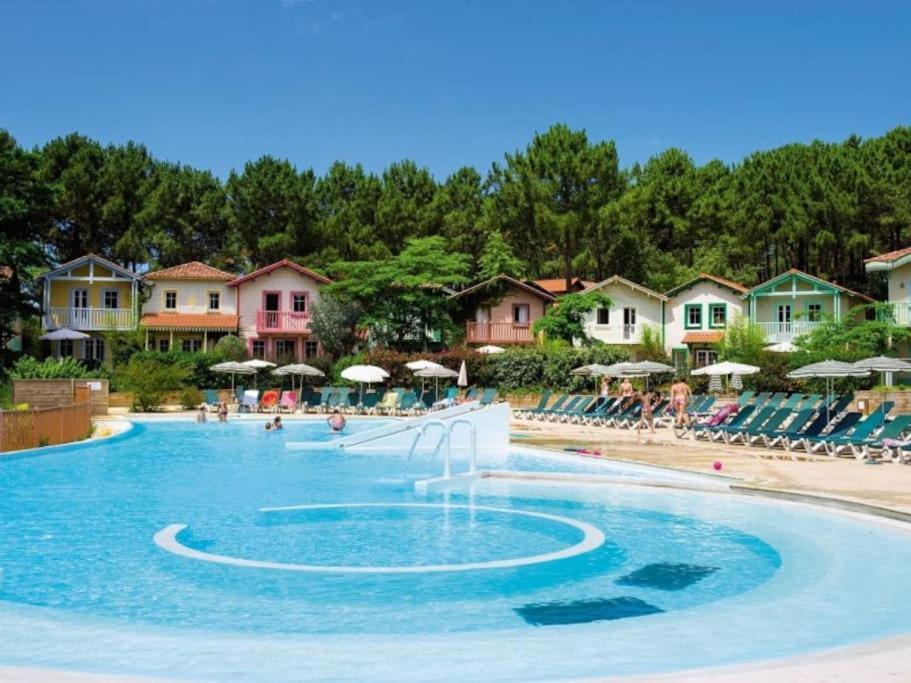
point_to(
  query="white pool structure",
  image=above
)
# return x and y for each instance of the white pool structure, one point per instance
(221, 552)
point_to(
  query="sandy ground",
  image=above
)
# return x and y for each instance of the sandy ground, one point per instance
(885, 485)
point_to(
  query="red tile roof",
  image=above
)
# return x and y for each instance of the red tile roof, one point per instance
(194, 270)
(558, 285)
(724, 282)
(703, 337)
(189, 321)
(531, 288)
(284, 263)
(889, 256)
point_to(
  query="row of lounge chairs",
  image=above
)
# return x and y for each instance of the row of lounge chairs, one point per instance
(398, 401)
(603, 411)
(805, 425)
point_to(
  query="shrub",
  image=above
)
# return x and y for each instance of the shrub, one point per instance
(230, 347)
(190, 398)
(149, 380)
(51, 368)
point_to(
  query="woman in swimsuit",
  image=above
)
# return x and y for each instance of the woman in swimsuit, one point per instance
(626, 389)
(680, 397)
(647, 416)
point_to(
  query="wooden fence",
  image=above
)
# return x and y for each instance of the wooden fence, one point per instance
(46, 426)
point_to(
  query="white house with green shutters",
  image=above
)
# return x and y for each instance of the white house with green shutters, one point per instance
(896, 266)
(696, 315)
(794, 304)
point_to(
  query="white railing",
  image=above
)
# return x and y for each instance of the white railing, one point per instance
(785, 332)
(90, 318)
(902, 313)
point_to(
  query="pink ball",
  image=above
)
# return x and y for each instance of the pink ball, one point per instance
(717, 465)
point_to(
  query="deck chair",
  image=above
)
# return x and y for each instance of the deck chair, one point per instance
(771, 426)
(761, 398)
(239, 394)
(891, 442)
(538, 413)
(599, 411)
(554, 412)
(407, 402)
(344, 398)
(863, 431)
(626, 411)
(472, 394)
(614, 407)
(745, 397)
(325, 399)
(801, 419)
(368, 405)
(288, 401)
(837, 427)
(716, 432)
(250, 402)
(542, 403)
(211, 399)
(489, 396)
(742, 432)
(269, 401)
(306, 398)
(388, 404)
(579, 410)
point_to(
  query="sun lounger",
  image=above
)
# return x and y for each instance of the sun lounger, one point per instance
(211, 399)
(865, 433)
(325, 399)
(814, 444)
(892, 442)
(472, 394)
(613, 407)
(627, 410)
(489, 396)
(369, 402)
(600, 409)
(250, 401)
(269, 401)
(743, 431)
(745, 397)
(388, 404)
(575, 415)
(771, 426)
(539, 413)
(239, 394)
(406, 403)
(542, 403)
(555, 411)
(288, 401)
(801, 419)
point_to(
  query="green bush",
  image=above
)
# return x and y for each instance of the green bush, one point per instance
(51, 368)
(149, 380)
(230, 347)
(190, 398)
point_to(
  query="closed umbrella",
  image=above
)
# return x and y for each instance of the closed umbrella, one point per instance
(463, 375)
(364, 374)
(234, 369)
(715, 383)
(830, 370)
(736, 382)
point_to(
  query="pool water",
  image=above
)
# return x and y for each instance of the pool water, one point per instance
(282, 559)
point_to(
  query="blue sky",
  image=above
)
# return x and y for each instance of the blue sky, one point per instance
(214, 83)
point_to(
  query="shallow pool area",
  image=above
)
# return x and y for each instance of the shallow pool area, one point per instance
(211, 552)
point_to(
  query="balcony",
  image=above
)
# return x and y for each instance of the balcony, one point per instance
(787, 332)
(282, 321)
(89, 319)
(902, 313)
(499, 333)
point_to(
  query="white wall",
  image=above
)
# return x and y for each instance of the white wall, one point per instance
(284, 280)
(648, 312)
(702, 294)
(192, 296)
(900, 284)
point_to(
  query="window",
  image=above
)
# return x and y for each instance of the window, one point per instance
(692, 316)
(520, 314)
(164, 345)
(80, 298)
(718, 315)
(311, 349)
(705, 357)
(629, 323)
(604, 316)
(94, 349)
(784, 314)
(111, 298)
(299, 302)
(170, 300)
(814, 312)
(258, 348)
(214, 301)
(191, 345)
(284, 348)
(66, 348)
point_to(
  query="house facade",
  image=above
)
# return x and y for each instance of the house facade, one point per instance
(92, 296)
(795, 303)
(273, 307)
(696, 316)
(896, 266)
(633, 308)
(501, 310)
(188, 308)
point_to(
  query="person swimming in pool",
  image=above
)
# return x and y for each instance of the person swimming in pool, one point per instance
(275, 425)
(336, 421)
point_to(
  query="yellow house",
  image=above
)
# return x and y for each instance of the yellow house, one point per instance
(92, 296)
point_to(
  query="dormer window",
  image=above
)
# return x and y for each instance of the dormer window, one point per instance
(170, 300)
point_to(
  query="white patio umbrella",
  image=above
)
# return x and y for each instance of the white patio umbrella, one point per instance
(421, 364)
(298, 369)
(647, 368)
(257, 365)
(490, 348)
(463, 375)
(726, 368)
(233, 368)
(364, 374)
(782, 347)
(830, 370)
(437, 373)
(592, 370)
(885, 366)
(64, 334)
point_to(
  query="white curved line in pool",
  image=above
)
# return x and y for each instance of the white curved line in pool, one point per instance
(593, 538)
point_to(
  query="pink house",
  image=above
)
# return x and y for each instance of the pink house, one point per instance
(273, 307)
(502, 310)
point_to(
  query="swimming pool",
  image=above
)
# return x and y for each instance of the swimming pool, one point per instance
(211, 552)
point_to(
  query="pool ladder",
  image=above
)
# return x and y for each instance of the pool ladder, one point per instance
(445, 442)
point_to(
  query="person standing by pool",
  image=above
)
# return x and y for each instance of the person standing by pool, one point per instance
(680, 398)
(201, 415)
(222, 412)
(647, 417)
(605, 386)
(626, 389)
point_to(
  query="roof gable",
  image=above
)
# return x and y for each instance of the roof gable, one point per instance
(194, 270)
(616, 279)
(889, 260)
(90, 258)
(532, 289)
(806, 277)
(735, 287)
(284, 263)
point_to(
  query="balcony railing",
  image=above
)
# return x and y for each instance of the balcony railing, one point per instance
(786, 332)
(498, 333)
(902, 313)
(282, 321)
(90, 318)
